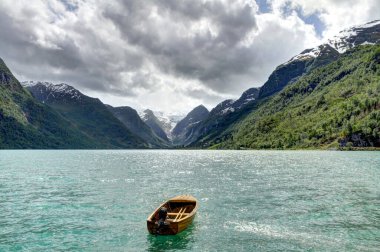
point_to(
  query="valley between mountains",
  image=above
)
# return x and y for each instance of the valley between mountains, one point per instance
(327, 97)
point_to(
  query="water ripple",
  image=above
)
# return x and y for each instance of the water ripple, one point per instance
(249, 200)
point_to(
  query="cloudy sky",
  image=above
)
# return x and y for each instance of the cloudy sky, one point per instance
(168, 55)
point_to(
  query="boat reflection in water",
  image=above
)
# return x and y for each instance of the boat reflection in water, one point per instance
(181, 241)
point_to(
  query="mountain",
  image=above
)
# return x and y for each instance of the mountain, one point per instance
(155, 124)
(130, 118)
(220, 117)
(217, 129)
(357, 35)
(166, 121)
(184, 128)
(326, 53)
(89, 115)
(327, 96)
(333, 106)
(47, 92)
(26, 123)
(296, 67)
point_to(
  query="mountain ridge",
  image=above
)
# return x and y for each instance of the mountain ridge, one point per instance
(183, 131)
(26, 123)
(130, 118)
(287, 73)
(335, 106)
(155, 124)
(89, 115)
(101, 126)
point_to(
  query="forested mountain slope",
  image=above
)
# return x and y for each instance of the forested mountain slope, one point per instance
(336, 105)
(130, 118)
(26, 123)
(88, 115)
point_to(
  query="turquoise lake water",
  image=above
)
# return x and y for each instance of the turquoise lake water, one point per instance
(249, 200)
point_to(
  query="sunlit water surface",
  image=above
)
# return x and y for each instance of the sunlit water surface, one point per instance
(249, 200)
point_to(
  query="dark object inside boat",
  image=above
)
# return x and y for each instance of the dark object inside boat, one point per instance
(163, 213)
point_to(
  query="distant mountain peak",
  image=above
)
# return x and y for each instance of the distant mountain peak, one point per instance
(148, 112)
(230, 106)
(182, 132)
(347, 38)
(165, 121)
(368, 33)
(51, 89)
(154, 123)
(198, 109)
(200, 106)
(130, 118)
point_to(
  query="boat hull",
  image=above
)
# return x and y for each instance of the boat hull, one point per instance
(178, 220)
(173, 227)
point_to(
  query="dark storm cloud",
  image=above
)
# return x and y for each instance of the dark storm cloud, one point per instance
(17, 42)
(89, 62)
(210, 58)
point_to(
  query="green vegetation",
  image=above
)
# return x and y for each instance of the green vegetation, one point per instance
(91, 117)
(26, 123)
(333, 106)
(33, 125)
(130, 118)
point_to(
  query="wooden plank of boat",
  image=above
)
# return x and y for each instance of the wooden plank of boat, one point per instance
(181, 213)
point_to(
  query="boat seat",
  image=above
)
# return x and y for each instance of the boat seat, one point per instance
(175, 214)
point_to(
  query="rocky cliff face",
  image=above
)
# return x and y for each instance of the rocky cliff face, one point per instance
(185, 128)
(155, 124)
(130, 118)
(221, 116)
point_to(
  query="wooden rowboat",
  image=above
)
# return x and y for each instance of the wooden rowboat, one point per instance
(181, 211)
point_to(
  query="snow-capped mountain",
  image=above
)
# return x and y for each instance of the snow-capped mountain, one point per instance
(228, 112)
(155, 124)
(46, 91)
(129, 117)
(230, 106)
(324, 54)
(368, 33)
(307, 60)
(166, 122)
(88, 115)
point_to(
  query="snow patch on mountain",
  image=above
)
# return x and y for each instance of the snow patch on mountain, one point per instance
(32, 83)
(306, 54)
(369, 24)
(343, 41)
(230, 106)
(61, 89)
(227, 110)
(168, 121)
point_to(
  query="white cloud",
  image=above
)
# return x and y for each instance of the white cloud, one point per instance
(336, 15)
